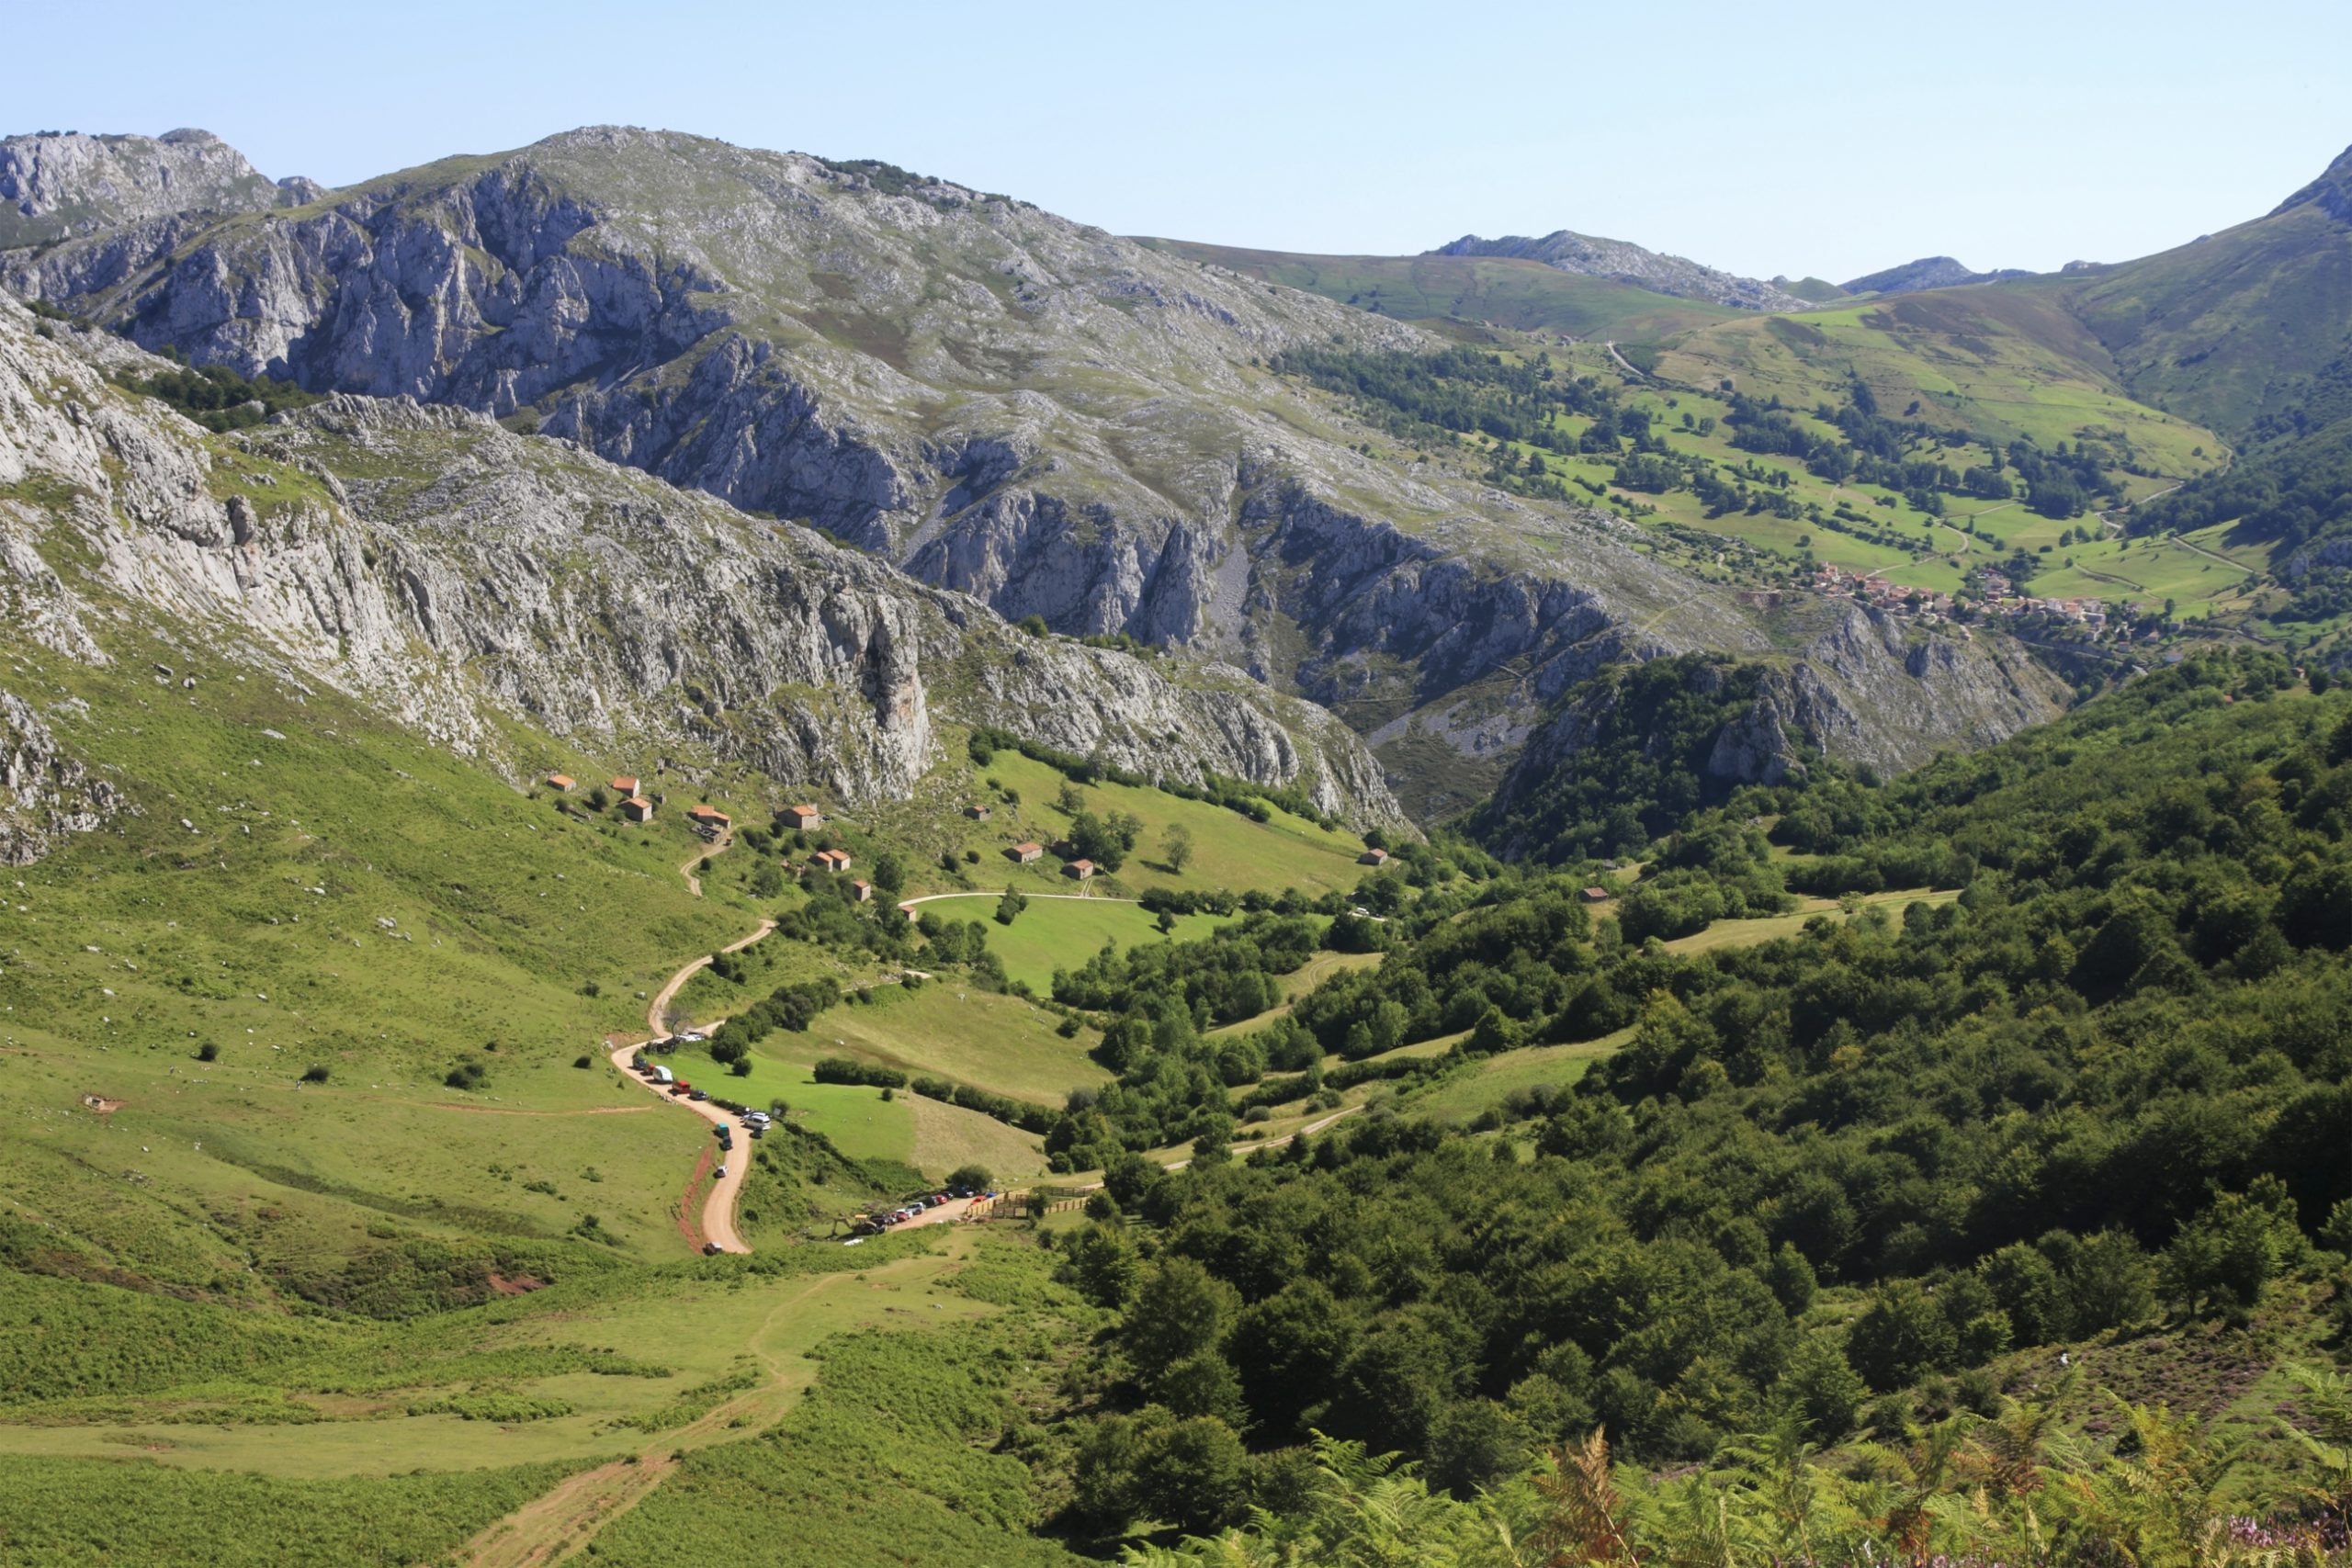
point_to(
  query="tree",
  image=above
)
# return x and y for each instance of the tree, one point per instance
(1099, 1263)
(2222, 1261)
(975, 1177)
(889, 874)
(1069, 800)
(1822, 1388)
(1176, 846)
(1010, 905)
(1903, 1333)
(1180, 1309)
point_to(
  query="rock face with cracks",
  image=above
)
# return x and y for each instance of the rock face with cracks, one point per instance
(463, 579)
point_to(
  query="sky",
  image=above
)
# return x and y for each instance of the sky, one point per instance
(1827, 139)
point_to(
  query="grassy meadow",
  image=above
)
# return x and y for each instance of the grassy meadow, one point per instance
(1229, 850)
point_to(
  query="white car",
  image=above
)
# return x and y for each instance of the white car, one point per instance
(722, 1172)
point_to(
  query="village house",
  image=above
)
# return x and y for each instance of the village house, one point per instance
(1079, 869)
(1373, 857)
(861, 891)
(636, 808)
(834, 860)
(1596, 895)
(1024, 853)
(709, 820)
(977, 813)
(561, 783)
(801, 818)
(625, 785)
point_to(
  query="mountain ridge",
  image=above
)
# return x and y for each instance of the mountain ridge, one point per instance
(1628, 263)
(1006, 404)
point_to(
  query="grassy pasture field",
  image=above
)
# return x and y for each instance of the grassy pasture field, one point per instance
(2203, 573)
(1748, 933)
(1001, 1043)
(1461, 1097)
(1062, 934)
(1229, 851)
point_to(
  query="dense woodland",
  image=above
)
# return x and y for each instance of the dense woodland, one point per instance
(1825, 1181)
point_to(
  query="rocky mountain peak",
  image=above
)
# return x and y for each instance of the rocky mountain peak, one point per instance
(55, 184)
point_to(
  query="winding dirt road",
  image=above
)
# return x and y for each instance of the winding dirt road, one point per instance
(718, 1204)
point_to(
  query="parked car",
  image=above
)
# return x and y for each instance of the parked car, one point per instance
(709, 1248)
(759, 1131)
(697, 1094)
(722, 1172)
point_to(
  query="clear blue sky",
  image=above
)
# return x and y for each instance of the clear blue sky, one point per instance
(1830, 139)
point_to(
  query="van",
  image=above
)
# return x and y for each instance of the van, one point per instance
(664, 1076)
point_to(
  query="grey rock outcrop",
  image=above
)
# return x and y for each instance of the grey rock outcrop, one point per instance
(1591, 256)
(46, 796)
(54, 185)
(1860, 687)
(462, 578)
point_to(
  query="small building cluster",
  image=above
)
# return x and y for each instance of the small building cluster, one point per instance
(830, 860)
(1872, 589)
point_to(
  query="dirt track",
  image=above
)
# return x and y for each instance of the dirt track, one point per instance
(718, 1204)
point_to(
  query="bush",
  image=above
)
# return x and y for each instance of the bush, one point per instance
(207, 1051)
(847, 1069)
(315, 1073)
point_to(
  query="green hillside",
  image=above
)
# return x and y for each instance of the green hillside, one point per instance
(2043, 1178)
(2001, 361)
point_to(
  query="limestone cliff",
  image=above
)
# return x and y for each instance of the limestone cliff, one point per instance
(56, 186)
(462, 577)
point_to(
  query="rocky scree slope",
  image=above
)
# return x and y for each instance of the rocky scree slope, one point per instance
(1054, 421)
(1593, 256)
(55, 186)
(468, 582)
